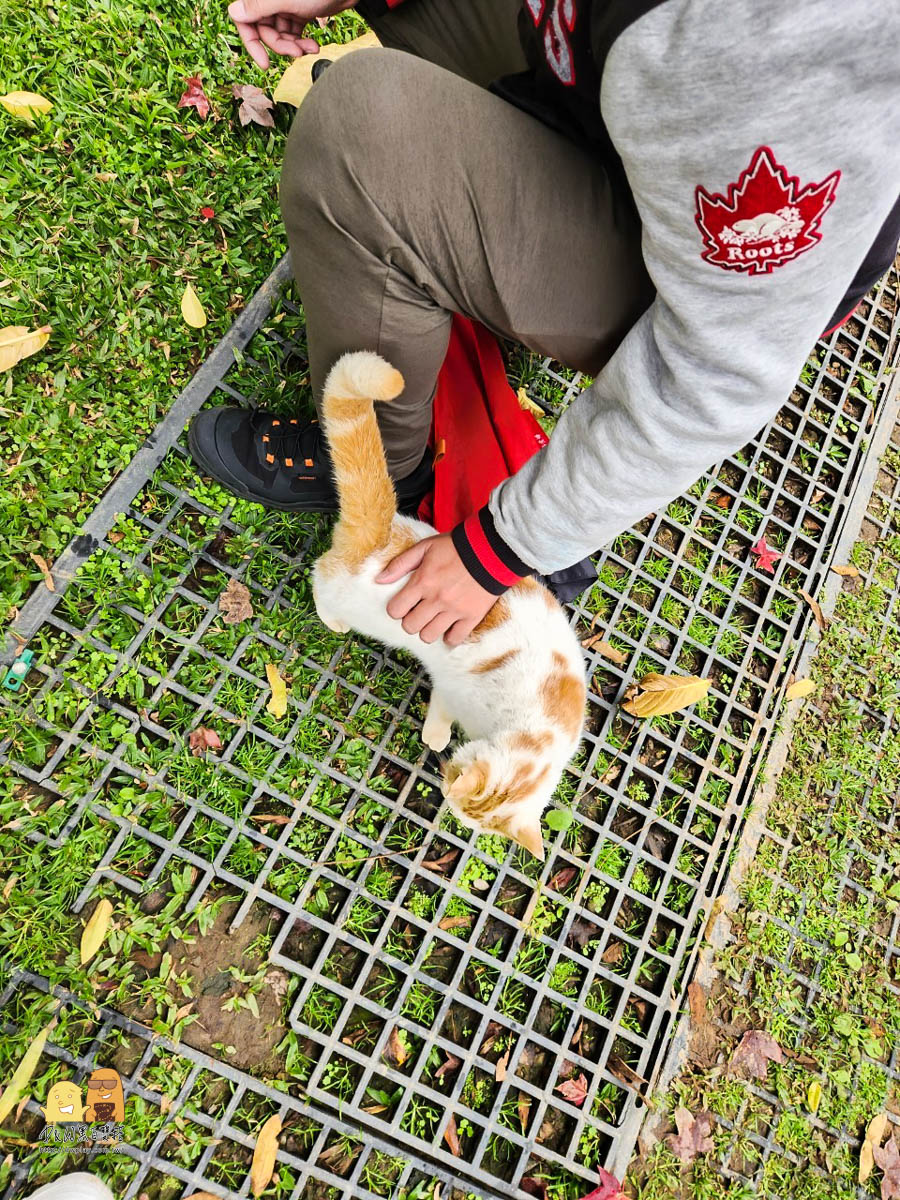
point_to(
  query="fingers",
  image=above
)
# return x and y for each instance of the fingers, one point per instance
(252, 44)
(458, 632)
(287, 44)
(252, 11)
(408, 597)
(436, 628)
(402, 565)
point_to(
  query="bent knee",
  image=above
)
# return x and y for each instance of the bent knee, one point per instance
(348, 117)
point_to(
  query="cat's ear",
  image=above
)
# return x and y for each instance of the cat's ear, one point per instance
(468, 782)
(527, 835)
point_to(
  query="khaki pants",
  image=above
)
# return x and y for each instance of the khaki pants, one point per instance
(410, 192)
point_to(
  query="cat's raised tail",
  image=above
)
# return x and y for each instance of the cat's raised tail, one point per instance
(368, 503)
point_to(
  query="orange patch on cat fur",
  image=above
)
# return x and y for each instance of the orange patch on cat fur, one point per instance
(494, 664)
(495, 616)
(534, 743)
(564, 696)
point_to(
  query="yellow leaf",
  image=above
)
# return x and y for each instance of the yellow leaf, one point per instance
(264, 1154)
(277, 705)
(814, 1096)
(874, 1133)
(663, 694)
(803, 687)
(44, 567)
(95, 931)
(23, 1073)
(18, 342)
(25, 104)
(297, 79)
(526, 402)
(847, 571)
(192, 309)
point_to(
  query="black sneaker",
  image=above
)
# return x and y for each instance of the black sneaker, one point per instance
(280, 462)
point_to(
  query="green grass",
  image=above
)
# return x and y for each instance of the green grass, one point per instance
(100, 227)
(833, 807)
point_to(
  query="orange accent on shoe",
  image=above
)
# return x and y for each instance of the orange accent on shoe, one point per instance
(288, 462)
(308, 462)
(276, 422)
(293, 420)
(270, 458)
(265, 437)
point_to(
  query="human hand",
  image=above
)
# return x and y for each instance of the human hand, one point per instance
(440, 598)
(280, 24)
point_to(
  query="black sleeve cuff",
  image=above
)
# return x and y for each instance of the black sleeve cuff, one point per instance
(485, 555)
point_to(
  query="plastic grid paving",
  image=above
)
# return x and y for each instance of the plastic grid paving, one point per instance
(438, 981)
(789, 957)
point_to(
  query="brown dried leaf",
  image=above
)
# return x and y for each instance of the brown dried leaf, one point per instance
(581, 932)
(255, 105)
(41, 564)
(455, 922)
(846, 571)
(395, 1053)
(534, 1187)
(875, 1131)
(888, 1159)
(202, 739)
(612, 954)
(451, 1137)
(664, 694)
(523, 1108)
(9, 885)
(755, 1051)
(562, 878)
(235, 604)
(264, 1154)
(435, 864)
(18, 342)
(697, 1002)
(816, 609)
(452, 1062)
(574, 1090)
(599, 643)
(500, 1067)
(693, 1134)
(620, 1068)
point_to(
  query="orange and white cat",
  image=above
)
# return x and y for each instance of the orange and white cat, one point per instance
(515, 686)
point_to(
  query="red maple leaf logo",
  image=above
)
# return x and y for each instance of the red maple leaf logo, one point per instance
(765, 219)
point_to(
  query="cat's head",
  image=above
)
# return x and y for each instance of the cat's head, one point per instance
(501, 787)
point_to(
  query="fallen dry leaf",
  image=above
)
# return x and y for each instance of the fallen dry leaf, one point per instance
(192, 309)
(277, 705)
(814, 1096)
(500, 1067)
(574, 1090)
(435, 864)
(195, 97)
(264, 1154)
(875, 1132)
(95, 931)
(43, 567)
(660, 695)
(697, 1002)
(451, 1137)
(455, 922)
(202, 739)
(816, 609)
(450, 1064)
(799, 689)
(612, 954)
(693, 1133)
(526, 402)
(21, 1077)
(18, 342)
(297, 78)
(620, 1068)
(888, 1158)
(8, 886)
(255, 105)
(755, 1051)
(602, 646)
(534, 1187)
(523, 1108)
(766, 557)
(609, 1189)
(395, 1053)
(847, 571)
(235, 604)
(24, 105)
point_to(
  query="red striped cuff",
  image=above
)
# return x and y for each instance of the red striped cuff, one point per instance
(485, 555)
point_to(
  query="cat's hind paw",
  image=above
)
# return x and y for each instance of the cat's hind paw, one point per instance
(436, 735)
(335, 624)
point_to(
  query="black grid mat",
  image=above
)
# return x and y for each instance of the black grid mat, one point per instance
(436, 978)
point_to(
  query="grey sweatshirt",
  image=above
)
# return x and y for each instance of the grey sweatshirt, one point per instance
(761, 144)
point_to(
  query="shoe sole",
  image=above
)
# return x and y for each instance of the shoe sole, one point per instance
(236, 487)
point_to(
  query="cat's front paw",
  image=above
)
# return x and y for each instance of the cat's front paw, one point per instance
(335, 624)
(436, 735)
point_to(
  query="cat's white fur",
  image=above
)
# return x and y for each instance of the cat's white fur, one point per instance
(497, 708)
